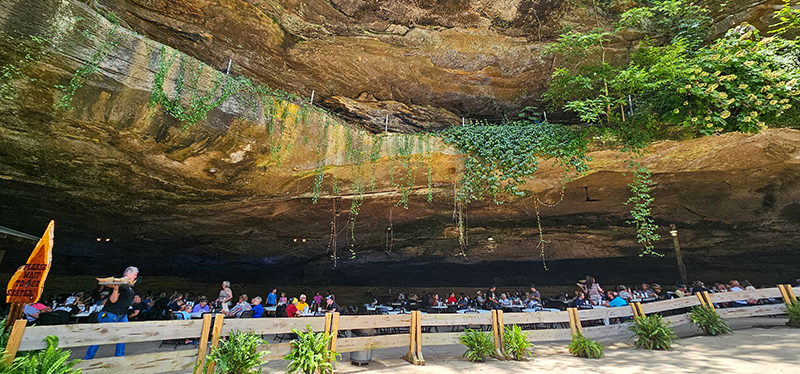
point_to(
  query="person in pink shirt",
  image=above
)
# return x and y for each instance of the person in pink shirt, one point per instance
(317, 300)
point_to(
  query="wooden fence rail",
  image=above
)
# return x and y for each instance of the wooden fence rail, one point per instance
(407, 330)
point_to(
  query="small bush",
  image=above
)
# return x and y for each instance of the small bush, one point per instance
(582, 346)
(515, 342)
(653, 332)
(310, 353)
(51, 360)
(479, 345)
(708, 320)
(238, 354)
(793, 310)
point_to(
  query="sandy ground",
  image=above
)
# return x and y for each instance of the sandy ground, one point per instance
(757, 345)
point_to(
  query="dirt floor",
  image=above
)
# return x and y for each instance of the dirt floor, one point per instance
(757, 344)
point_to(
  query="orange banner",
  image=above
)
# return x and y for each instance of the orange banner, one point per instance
(28, 281)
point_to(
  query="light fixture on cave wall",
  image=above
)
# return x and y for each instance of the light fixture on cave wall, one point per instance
(295, 240)
(491, 243)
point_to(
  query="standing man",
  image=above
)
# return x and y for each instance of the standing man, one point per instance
(491, 298)
(116, 309)
(272, 298)
(535, 295)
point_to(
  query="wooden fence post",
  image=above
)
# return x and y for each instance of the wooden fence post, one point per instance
(497, 334)
(411, 356)
(420, 359)
(640, 309)
(14, 339)
(635, 310)
(203, 346)
(701, 298)
(327, 329)
(334, 329)
(575, 321)
(218, 321)
(708, 299)
(501, 327)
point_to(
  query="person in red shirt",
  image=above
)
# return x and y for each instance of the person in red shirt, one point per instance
(291, 309)
(452, 299)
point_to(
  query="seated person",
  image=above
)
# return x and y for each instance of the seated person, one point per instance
(646, 292)
(581, 299)
(258, 309)
(177, 303)
(331, 306)
(201, 307)
(240, 307)
(504, 301)
(301, 303)
(616, 301)
(624, 293)
(658, 293)
(186, 312)
(138, 310)
(32, 313)
(291, 308)
(452, 298)
(681, 291)
(699, 287)
(463, 302)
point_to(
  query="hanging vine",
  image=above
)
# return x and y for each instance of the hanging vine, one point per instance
(641, 200)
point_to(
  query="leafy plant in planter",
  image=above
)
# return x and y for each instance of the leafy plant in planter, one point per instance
(51, 360)
(238, 354)
(707, 319)
(582, 346)
(515, 342)
(479, 345)
(793, 310)
(653, 332)
(310, 353)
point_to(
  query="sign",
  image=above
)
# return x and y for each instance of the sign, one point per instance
(28, 281)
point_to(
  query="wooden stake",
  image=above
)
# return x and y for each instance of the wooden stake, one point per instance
(327, 329)
(708, 299)
(790, 291)
(334, 330)
(412, 344)
(203, 347)
(14, 339)
(420, 359)
(497, 343)
(218, 321)
(14, 314)
(785, 295)
(635, 310)
(641, 310)
(572, 325)
(700, 297)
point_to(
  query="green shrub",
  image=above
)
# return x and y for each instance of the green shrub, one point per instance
(515, 342)
(4, 336)
(479, 345)
(238, 354)
(51, 360)
(793, 310)
(582, 346)
(653, 332)
(310, 353)
(707, 319)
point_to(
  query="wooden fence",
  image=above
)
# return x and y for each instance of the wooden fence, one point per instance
(413, 330)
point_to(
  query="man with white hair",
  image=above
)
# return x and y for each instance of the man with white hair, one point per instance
(116, 309)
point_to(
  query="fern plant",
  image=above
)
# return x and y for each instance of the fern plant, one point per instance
(51, 360)
(238, 354)
(793, 310)
(582, 346)
(653, 332)
(515, 342)
(310, 353)
(479, 345)
(708, 320)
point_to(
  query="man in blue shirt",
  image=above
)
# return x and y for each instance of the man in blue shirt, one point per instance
(272, 298)
(617, 301)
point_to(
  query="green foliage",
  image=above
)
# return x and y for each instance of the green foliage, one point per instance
(670, 20)
(582, 346)
(653, 332)
(51, 360)
(707, 319)
(111, 40)
(479, 345)
(14, 62)
(789, 18)
(310, 353)
(4, 335)
(640, 200)
(793, 310)
(239, 354)
(515, 342)
(501, 157)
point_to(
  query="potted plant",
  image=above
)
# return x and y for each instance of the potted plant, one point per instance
(311, 353)
(479, 345)
(239, 354)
